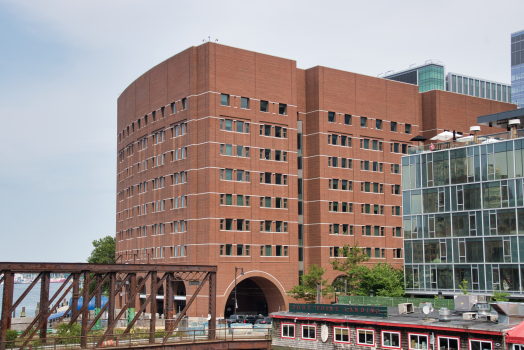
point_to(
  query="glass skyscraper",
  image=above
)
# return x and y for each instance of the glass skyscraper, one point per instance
(517, 68)
(463, 212)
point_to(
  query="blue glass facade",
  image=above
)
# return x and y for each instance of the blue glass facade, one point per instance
(517, 68)
(463, 212)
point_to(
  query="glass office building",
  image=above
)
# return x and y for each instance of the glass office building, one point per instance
(472, 86)
(463, 215)
(431, 76)
(427, 77)
(517, 68)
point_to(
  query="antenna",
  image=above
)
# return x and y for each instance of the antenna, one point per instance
(208, 40)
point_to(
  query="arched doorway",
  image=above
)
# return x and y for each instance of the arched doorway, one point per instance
(255, 296)
(180, 296)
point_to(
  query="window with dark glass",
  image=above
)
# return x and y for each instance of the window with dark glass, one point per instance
(394, 126)
(331, 117)
(363, 122)
(282, 108)
(378, 124)
(347, 119)
(264, 107)
(244, 103)
(408, 128)
(224, 100)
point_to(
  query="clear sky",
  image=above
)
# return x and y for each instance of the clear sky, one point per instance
(64, 63)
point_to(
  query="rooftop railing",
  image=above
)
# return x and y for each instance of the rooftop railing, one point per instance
(465, 141)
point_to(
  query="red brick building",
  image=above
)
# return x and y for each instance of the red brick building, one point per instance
(238, 159)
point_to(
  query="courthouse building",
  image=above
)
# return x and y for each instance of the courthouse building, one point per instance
(238, 159)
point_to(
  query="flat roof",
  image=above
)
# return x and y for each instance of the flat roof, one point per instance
(413, 69)
(412, 320)
(502, 117)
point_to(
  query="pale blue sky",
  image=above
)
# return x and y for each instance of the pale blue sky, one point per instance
(63, 64)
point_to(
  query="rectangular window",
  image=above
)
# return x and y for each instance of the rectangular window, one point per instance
(391, 340)
(341, 335)
(244, 103)
(240, 126)
(184, 103)
(366, 337)
(282, 109)
(264, 106)
(393, 126)
(448, 343)
(477, 344)
(309, 332)
(224, 100)
(287, 330)
(418, 341)
(347, 119)
(378, 124)
(363, 122)
(408, 128)
(331, 117)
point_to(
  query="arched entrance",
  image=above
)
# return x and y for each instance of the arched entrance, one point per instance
(256, 295)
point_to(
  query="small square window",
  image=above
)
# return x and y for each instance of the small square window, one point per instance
(341, 335)
(244, 103)
(224, 100)
(309, 332)
(282, 108)
(264, 106)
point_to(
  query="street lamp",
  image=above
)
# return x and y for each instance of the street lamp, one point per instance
(241, 274)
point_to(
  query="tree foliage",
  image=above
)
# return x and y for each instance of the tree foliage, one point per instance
(103, 251)
(307, 290)
(500, 296)
(383, 279)
(350, 265)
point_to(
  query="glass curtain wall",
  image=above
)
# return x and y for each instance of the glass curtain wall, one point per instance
(463, 219)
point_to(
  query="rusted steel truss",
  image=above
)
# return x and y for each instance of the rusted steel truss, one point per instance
(117, 276)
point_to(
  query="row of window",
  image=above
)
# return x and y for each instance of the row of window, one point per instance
(243, 127)
(273, 178)
(343, 207)
(240, 151)
(157, 229)
(380, 253)
(244, 225)
(278, 155)
(342, 140)
(244, 250)
(158, 137)
(342, 162)
(245, 103)
(346, 229)
(142, 122)
(390, 339)
(364, 122)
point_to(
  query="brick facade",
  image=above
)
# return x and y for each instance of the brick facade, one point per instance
(192, 82)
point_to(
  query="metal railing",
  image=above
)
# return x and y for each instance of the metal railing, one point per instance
(138, 338)
(481, 139)
(394, 301)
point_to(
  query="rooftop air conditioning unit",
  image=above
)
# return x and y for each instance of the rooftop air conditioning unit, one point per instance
(405, 308)
(469, 316)
(492, 317)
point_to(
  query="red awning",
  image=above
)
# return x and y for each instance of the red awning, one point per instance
(516, 335)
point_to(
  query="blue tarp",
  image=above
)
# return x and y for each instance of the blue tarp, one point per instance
(91, 307)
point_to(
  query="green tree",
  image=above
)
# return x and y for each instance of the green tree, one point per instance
(103, 253)
(383, 279)
(307, 289)
(350, 265)
(500, 296)
(464, 287)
